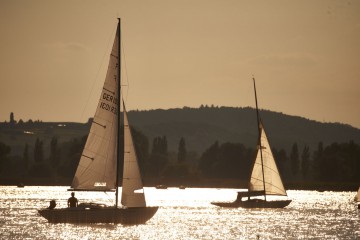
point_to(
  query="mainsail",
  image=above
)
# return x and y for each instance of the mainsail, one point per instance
(97, 166)
(273, 183)
(132, 187)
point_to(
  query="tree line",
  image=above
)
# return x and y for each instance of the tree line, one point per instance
(337, 162)
(57, 160)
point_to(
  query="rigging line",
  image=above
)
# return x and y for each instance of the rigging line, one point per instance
(98, 72)
(126, 71)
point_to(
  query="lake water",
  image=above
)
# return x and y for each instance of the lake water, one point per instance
(186, 214)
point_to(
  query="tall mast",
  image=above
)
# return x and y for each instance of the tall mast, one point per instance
(118, 113)
(259, 129)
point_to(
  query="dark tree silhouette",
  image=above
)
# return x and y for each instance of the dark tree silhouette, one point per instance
(159, 156)
(38, 151)
(4, 151)
(54, 152)
(305, 161)
(208, 160)
(339, 163)
(294, 158)
(26, 157)
(317, 156)
(229, 160)
(12, 119)
(182, 151)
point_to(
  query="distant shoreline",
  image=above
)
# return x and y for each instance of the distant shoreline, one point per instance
(202, 183)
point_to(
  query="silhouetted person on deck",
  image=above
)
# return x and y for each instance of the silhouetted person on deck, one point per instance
(72, 202)
(52, 204)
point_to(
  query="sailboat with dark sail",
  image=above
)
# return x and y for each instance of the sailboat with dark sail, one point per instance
(265, 178)
(99, 165)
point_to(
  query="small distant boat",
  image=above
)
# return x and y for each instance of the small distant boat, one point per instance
(357, 196)
(98, 169)
(161, 186)
(182, 187)
(20, 185)
(265, 178)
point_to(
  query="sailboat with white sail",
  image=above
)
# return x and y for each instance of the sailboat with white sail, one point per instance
(357, 196)
(99, 165)
(265, 177)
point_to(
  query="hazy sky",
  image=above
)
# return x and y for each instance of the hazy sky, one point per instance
(305, 56)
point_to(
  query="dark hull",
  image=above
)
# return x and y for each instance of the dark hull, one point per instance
(126, 216)
(254, 203)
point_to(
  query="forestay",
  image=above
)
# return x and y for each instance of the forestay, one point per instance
(273, 183)
(97, 166)
(132, 187)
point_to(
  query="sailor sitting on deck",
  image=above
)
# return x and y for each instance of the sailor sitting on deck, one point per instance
(72, 201)
(52, 204)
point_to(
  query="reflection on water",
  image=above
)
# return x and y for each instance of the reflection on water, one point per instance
(186, 214)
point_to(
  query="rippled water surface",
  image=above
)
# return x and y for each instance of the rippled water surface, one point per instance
(186, 214)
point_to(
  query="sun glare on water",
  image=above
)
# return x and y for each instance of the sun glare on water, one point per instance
(185, 214)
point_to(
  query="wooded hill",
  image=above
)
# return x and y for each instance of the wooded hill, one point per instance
(200, 127)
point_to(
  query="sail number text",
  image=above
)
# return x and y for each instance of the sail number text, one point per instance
(110, 104)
